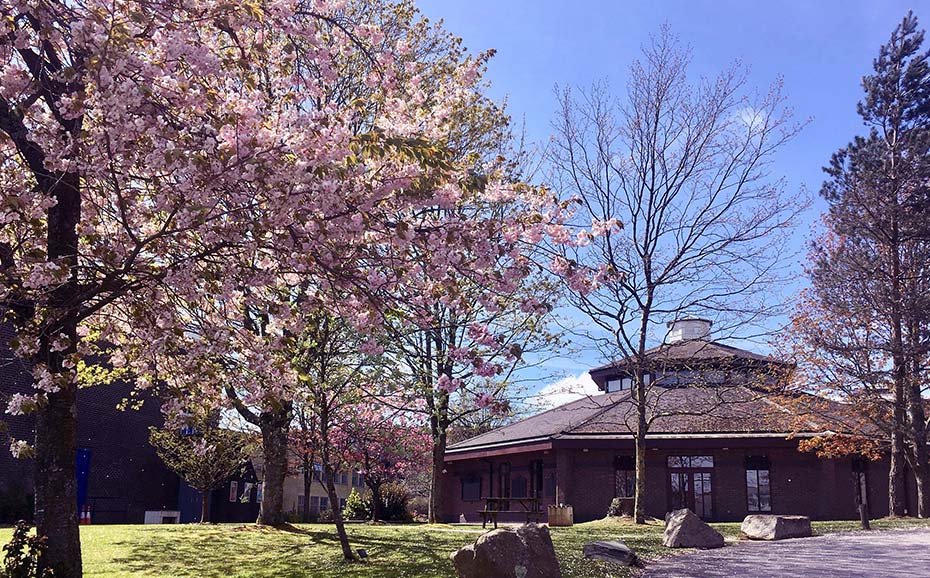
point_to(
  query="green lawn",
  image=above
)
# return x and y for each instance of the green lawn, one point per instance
(311, 550)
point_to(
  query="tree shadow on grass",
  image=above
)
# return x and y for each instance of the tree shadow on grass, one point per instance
(293, 552)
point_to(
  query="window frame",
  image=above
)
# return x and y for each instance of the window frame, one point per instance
(754, 466)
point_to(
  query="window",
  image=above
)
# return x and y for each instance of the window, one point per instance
(361, 480)
(536, 478)
(345, 478)
(301, 500)
(518, 486)
(233, 491)
(549, 485)
(691, 461)
(355, 483)
(246, 493)
(342, 503)
(471, 488)
(314, 504)
(758, 486)
(624, 477)
(317, 472)
(259, 492)
(324, 503)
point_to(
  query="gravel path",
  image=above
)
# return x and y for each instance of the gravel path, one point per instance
(891, 554)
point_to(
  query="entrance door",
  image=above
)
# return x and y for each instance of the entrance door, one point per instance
(691, 484)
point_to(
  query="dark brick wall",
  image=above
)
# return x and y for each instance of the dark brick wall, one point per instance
(800, 482)
(126, 476)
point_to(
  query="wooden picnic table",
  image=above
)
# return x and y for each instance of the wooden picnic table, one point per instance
(494, 506)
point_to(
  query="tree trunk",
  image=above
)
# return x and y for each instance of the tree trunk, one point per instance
(897, 503)
(337, 513)
(205, 507)
(308, 486)
(274, 453)
(918, 441)
(639, 503)
(437, 478)
(376, 501)
(56, 423)
(56, 485)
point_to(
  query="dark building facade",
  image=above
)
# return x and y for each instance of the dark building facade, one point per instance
(119, 473)
(717, 445)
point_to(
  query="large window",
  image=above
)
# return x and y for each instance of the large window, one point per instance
(758, 486)
(518, 486)
(233, 491)
(624, 477)
(471, 488)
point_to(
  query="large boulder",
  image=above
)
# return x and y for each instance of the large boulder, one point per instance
(684, 529)
(769, 527)
(526, 552)
(614, 551)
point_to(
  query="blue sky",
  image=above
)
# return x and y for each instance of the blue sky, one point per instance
(821, 49)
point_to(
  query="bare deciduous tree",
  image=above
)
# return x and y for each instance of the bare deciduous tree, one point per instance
(680, 172)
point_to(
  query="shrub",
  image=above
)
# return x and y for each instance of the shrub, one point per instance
(418, 507)
(395, 498)
(358, 506)
(21, 555)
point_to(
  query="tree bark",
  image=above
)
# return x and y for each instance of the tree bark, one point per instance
(897, 503)
(205, 506)
(56, 485)
(56, 422)
(274, 453)
(337, 513)
(918, 441)
(437, 478)
(639, 503)
(308, 486)
(376, 501)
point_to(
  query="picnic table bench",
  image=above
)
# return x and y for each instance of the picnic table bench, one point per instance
(494, 506)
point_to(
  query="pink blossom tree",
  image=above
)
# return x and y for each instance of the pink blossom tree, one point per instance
(169, 166)
(386, 446)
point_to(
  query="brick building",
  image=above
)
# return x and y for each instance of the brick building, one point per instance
(717, 445)
(119, 473)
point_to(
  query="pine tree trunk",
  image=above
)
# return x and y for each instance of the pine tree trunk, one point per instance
(437, 478)
(897, 501)
(918, 441)
(205, 507)
(274, 453)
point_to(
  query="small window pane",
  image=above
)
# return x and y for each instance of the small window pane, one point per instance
(702, 462)
(233, 491)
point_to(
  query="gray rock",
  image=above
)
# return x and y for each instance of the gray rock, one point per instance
(771, 527)
(684, 529)
(526, 552)
(614, 551)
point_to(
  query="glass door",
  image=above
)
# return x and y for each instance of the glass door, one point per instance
(691, 484)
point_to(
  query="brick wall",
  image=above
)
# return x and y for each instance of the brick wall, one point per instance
(800, 482)
(126, 476)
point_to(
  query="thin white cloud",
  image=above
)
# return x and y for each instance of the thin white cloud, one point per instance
(565, 390)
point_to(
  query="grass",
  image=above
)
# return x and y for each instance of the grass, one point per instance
(311, 550)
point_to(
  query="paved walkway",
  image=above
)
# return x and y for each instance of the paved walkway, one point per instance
(891, 554)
